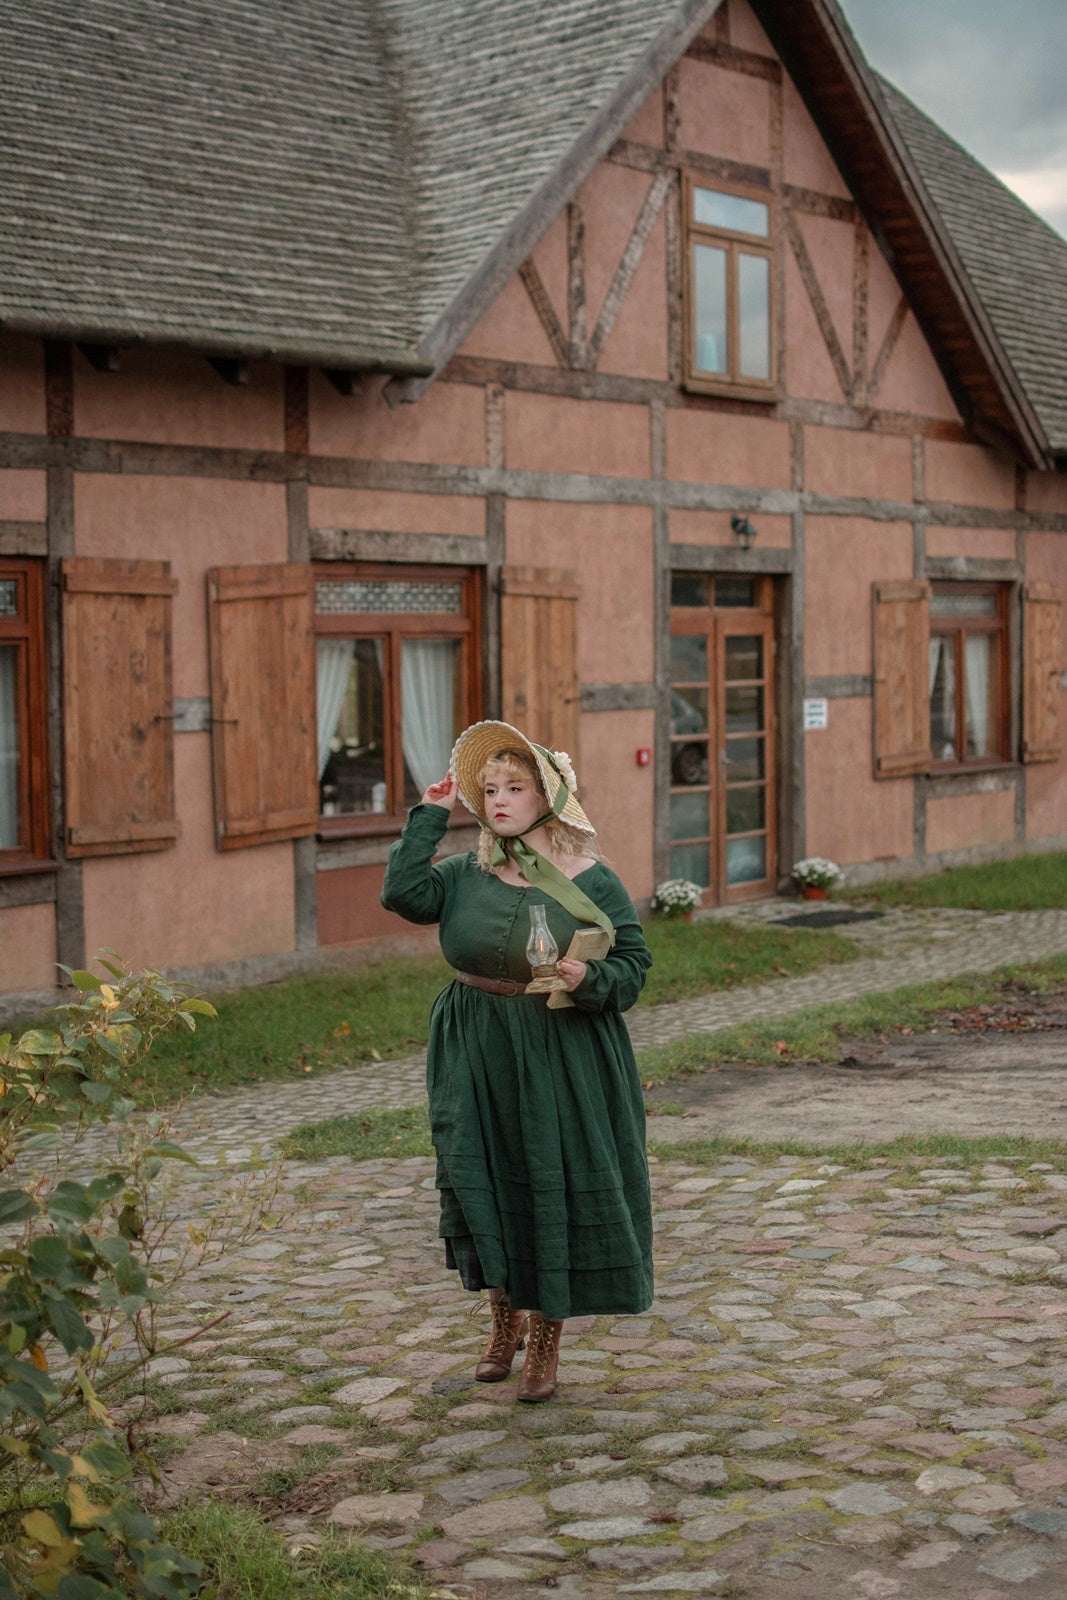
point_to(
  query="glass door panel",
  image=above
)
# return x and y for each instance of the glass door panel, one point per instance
(746, 806)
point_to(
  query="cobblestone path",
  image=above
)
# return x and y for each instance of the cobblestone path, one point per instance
(852, 1383)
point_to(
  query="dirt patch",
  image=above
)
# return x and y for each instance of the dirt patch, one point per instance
(999, 1068)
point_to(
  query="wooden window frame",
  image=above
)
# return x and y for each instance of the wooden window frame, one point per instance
(392, 628)
(958, 628)
(732, 382)
(25, 632)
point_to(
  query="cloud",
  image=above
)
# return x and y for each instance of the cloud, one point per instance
(991, 75)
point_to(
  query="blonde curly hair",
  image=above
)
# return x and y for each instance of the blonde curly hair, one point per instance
(563, 840)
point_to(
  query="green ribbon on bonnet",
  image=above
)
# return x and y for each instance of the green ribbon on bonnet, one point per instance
(541, 874)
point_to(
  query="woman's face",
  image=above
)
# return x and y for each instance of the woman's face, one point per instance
(513, 802)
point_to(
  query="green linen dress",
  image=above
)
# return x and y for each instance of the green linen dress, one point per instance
(537, 1116)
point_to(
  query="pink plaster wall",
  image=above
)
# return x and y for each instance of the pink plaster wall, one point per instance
(28, 948)
(808, 164)
(959, 822)
(844, 557)
(447, 424)
(1047, 491)
(617, 793)
(511, 330)
(912, 382)
(637, 344)
(395, 513)
(1046, 558)
(831, 245)
(611, 199)
(705, 446)
(349, 909)
(851, 816)
(194, 523)
(647, 126)
(546, 433)
(21, 385)
(842, 461)
(550, 259)
(713, 528)
(616, 624)
(745, 32)
(23, 496)
(192, 904)
(969, 475)
(979, 544)
(724, 113)
(168, 397)
(808, 370)
(1046, 793)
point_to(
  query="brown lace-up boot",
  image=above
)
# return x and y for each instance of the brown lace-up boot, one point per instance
(506, 1335)
(538, 1381)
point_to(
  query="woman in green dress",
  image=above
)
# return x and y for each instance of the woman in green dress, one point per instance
(536, 1113)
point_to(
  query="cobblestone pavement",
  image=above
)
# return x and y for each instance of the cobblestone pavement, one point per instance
(852, 1383)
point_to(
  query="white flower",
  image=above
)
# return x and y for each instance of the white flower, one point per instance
(816, 872)
(565, 768)
(676, 895)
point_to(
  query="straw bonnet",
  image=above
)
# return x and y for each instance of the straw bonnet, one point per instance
(483, 740)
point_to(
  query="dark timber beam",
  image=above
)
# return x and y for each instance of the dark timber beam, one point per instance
(229, 369)
(101, 357)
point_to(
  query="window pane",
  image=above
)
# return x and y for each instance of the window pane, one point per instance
(689, 711)
(746, 810)
(943, 698)
(744, 759)
(961, 604)
(690, 589)
(709, 309)
(351, 721)
(718, 210)
(735, 592)
(692, 861)
(754, 303)
(981, 694)
(744, 656)
(9, 598)
(689, 659)
(690, 818)
(689, 762)
(744, 710)
(428, 711)
(746, 860)
(9, 750)
(363, 596)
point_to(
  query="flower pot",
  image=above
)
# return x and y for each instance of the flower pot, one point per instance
(813, 891)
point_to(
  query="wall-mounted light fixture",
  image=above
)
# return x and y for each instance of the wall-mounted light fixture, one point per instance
(744, 532)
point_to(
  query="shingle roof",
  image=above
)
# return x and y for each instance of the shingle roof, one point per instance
(315, 177)
(1016, 262)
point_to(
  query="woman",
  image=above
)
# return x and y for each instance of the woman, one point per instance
(536, 1113)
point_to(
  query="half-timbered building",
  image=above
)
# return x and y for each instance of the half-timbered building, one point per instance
(646, 372)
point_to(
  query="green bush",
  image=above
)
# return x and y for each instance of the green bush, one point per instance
(79, 1277)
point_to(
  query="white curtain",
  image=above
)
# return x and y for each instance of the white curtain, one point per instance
(334, 661)
(427, 694)
(9, 754)
(936, 649)
(976, 652)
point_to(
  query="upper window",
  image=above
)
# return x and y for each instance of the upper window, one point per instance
(729, 321)
(969, 720)
(24, 824)
(398, 679)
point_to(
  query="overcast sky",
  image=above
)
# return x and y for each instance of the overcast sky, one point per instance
(992, 73)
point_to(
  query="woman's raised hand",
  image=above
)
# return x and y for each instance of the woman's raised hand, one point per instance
(442, 794)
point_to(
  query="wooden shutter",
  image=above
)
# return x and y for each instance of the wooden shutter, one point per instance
(538, 625)
(118, 713)
(1042, 669)
(901, 678)
(262, 703)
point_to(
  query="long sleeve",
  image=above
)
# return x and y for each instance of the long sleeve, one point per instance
(413, 887)
(614, 983)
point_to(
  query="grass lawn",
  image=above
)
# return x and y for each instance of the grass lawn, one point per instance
(378, 1012)
(1029, 883)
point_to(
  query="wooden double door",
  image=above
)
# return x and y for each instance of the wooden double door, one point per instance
(722, 747)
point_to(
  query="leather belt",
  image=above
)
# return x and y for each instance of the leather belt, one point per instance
(508, 986)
